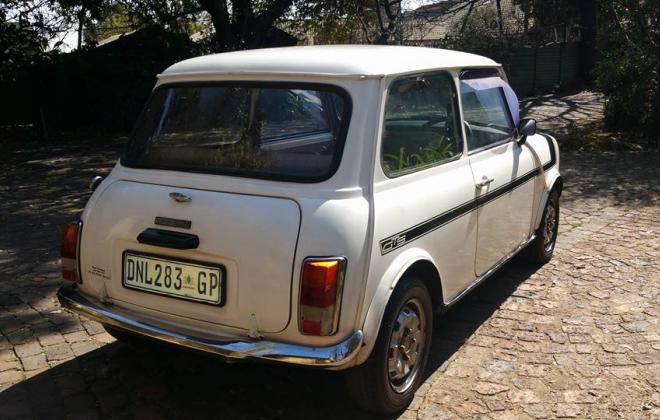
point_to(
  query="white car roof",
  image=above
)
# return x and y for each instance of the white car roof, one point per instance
(331, 60)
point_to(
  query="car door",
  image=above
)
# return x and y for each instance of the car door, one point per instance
(423, 198)
(500, 167)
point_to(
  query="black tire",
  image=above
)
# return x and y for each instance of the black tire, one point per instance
(542, 247)
(371, 385)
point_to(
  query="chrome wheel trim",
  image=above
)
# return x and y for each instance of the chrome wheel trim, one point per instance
(550, 225)
(407, 342)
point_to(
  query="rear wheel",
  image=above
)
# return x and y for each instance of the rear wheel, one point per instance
(542, 247)
(387, 381)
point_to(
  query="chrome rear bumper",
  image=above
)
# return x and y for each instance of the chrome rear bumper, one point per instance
(233, 348)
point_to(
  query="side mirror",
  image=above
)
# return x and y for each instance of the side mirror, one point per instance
(96, 181)
(526, 127)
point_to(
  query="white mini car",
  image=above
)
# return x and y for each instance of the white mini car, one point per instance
(314, 206)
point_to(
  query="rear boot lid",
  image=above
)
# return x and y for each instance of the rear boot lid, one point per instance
(250, 239)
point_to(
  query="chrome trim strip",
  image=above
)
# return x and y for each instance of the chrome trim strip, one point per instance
(232, 348)
(490, 271)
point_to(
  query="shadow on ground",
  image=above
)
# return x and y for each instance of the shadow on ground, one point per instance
(611, 178)
(555, 112)
(153, 381)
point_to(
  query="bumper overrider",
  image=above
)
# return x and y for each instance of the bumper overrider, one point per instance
(231, 348)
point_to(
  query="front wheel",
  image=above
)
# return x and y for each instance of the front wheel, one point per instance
(387, 381)
(542, 247)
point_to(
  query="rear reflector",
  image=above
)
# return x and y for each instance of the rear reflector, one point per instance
(69, 251)
(311, 327)
(320, 294)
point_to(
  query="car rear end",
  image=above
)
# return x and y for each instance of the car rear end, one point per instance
(236, 222)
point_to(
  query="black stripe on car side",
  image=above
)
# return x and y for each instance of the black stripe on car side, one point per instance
(398, 240)
(553, 153)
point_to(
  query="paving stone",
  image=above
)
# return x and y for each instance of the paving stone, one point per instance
(524, 396)
(7, 354)
(30, 349)
(20, 336)
(538, 411)
(58, 352)
(34, 362)
(579, 397)
(9, 365)
(10, 376)
(487, 388)
(50, 338)
(93, 328)
(82, 347)
(568, 410)
(76, 336)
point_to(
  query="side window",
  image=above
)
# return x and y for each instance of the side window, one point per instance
(420, 123)
(485, 111)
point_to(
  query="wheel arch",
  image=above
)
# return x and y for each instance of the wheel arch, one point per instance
(428, 273)
(411, 262)
(557, 182)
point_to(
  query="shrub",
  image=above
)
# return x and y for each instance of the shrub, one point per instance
(631, 84)
(629, 70)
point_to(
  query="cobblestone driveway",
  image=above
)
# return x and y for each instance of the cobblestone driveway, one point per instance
(576, 338)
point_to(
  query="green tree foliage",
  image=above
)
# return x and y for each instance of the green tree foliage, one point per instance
(550, 13)
(331, 22)
(31, 31)
(103, 87)
(244, 24)
(557, 14)
(161, 12)
(479, 33)
(489, 30)
(116, 20)
(357, 21)
(124, 16)
(629, 70)
(26, 30)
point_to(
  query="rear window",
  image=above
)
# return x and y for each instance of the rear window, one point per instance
(274, 131)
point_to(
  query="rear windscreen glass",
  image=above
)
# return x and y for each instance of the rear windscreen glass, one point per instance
(262, 131)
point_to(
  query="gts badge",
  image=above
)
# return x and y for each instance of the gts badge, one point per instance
(392, 243)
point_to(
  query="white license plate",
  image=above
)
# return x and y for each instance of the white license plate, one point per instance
(184, 279)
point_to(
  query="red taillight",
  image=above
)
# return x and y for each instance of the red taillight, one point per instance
(69, 251)
(320, 290)
(319, 286)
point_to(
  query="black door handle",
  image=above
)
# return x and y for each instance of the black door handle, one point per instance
(168, 239)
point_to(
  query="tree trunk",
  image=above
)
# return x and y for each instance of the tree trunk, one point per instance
(467, 17)
(500, 19)
(81, 25)
(392, 20)
(243, 29)
(224, 35)
(589, 22)
(244, 24)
